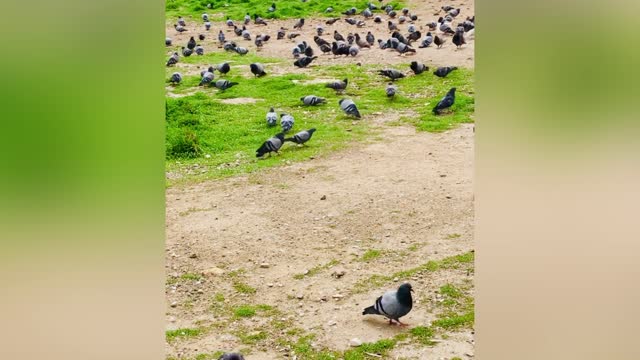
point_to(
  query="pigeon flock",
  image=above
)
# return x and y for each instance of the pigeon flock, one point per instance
(408, 35)
(419, 35)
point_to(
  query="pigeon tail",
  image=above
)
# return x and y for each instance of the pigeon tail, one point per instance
(371, 310)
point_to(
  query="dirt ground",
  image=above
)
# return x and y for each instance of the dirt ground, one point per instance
(404, 195)
(427, 11)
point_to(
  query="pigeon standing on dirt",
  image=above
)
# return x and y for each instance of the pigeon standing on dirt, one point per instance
(201, 37)
(418, 68)
(272, 118)
(428, 39)
(271, 145)
(167, 41)
(298, 25)
(438, 41)
(313, 100)
(444, 71)
(349, 107)
(286, 122)
(392, 74)
(207, 26)
(257, 69)
(205, 17)
(304, 61)
(221, 37)
(280, 34)
(231, 356)
(393, 305)
(301, 137)
(370, 38)
(247, 19)
(181, 21)
(179, 28)
(458, 37)
(446, 101)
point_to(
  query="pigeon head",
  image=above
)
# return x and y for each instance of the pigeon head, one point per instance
(271, 110)
(210, 69)
(311, 131)
(346, 81)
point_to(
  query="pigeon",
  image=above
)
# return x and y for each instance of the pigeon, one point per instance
(402, 19)
(298, 25)
(331, 21)
(383, 44)
(205, 17)
(199, 50)
(242, 51)
(392, 26)
(286, 122)
(367, 13)
(350, 12)
(329, 9)
(392, 74)
(173, 59)
(350, 38)
(201, 37)
(432, 26)
(454, 12)
(413, 17)
(247, 19)
(428, 39)
(338, 85)
(339, 49)
(229, 46)
(296, 52)
(313, 100)
(179, 28)
(272, 8)
(446, 101)
(186, 52)
(223, 68)
(403, 48)
(167, 41)
(350, 21)
(411, 28)
(272, 118)
(325, 48)
(349, 107)
(414, 36)
(362, 43)
(405, 11)
(271, 145)
(246, 34)
(230, 22)
(393, 305)
(301, 137)
(181, 21)
(370, 38)
(444, 71)
(292, 36)
(207, 26)
(221, 37)
(438, 41)
(354, 50)
(418, 68)
(320, 41)
(258, 20)
(207, 76)
(237, 31)
(392, 14)
(223, 84)
(391, 90)
(257, 69)
(372, 7)
(337, 36)
(319, 30)
(304, 61)
(176, 78)
(281, 33)
(458, 37)
(308, 51)
(445, 27)
(377, 19)
(447, 8)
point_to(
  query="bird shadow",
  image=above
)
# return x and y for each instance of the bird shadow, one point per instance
(377, 322)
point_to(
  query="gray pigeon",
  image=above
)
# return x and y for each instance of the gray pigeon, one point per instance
(181, 21)
(338, 85)
(428, 39)
(207, 76)
(312, 100)
(391, 90)
(446, 102)
(354, 50)
(242, 51)
(349, 107)
(393, 305)
(286, 122)
(223, 84)
(176, 78)
(418, 68)
(392, 74)
(167, 41)
(272, 118)
(186, 52)
(199, 50)
(221, 36)
(207, 26)
(301, 137)
(173, 59)
(205, 17)
(271, 145)
(257, 69)
(444, 71)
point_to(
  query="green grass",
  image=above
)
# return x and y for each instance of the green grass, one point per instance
(236, 9)
(316, 269)
(422, 334)
(454, 262)
(370, 254)
(244, 311)
(182, 333)
(243, 288)
(455, 321)
(208, 139)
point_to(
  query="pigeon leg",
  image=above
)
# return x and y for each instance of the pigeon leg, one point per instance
(401, 323)
(390, 322)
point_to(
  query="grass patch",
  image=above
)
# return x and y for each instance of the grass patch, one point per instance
(316, 269)
(455, 321)
(423, 335)
(251, 338)
(370, 254)
(244, 311)
(380, 347)
(454, 262)
(182, 333)
(243, 288)
(236, 9)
